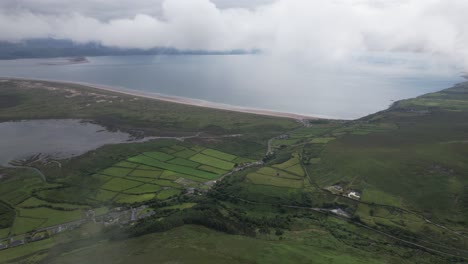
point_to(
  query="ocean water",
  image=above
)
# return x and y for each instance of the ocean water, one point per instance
(344, 90)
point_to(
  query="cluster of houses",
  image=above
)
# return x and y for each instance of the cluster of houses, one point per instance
(116, 216)
(123, 216)
(39, 234)
(15, 242)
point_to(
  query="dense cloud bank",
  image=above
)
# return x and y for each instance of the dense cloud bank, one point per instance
(316, 29)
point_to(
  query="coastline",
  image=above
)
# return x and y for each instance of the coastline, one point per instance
(69, 61)
(62, 63)
(177, 99)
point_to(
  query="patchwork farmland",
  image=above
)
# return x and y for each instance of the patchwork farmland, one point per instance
(164, 173)
(155, 175)
(287, 175)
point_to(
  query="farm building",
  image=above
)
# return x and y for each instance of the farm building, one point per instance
(354, 195)
(337, 188)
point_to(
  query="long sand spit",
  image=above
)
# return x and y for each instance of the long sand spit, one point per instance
(177, 99)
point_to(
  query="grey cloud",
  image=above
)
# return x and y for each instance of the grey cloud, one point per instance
(329, 30)
(109, 9)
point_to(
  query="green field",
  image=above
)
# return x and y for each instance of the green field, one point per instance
(118, 184)
(313, 131)
(159, 155)
(98, 180)
(373, 195)
(34, 202)
(256, 178)
(179, 177)
(292, 165)
(172, 167)
(4, 232)
(169, 175)
(130, 199)
(177, 148)
(143, 189)
(241, 160)
(16, 190)
(324, 140)
(219, 155)
(185, 154)
(212, 169)
(145, 173)
(277, 173)
(164, 194)
(53, 217)
(166, 183)
(26, 224)
(125, 164)
(296, 169)
(285, 142)
(184, 162)
(103, 195)
(117, 172)
(213, 162)
(168, 150)
(289, 163)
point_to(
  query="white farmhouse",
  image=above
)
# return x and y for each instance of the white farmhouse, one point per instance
(354, 195)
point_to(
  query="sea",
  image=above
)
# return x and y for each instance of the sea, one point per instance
(344, 89)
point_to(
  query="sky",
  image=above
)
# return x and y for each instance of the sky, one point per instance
(328, 31)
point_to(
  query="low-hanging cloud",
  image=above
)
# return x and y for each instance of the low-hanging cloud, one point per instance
(314, 29)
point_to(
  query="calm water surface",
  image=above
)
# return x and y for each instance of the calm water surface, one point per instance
(58, 138)
(256, 81)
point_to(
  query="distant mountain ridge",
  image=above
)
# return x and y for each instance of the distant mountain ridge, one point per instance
(50, 48)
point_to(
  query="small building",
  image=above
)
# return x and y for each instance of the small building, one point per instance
(340, 212)
(38, 237)
(191, 190)
(3, 246)
(90, 213)
(145, 215)
(116, 209)
(354, 195)
(15, 243)
(337, 188)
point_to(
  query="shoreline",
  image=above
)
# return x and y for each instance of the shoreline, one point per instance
(62, 63)
(68, 61)
(179, 100)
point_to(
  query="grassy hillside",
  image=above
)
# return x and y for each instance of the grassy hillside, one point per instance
(418, 160)
(409, 163)
(192, 244)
